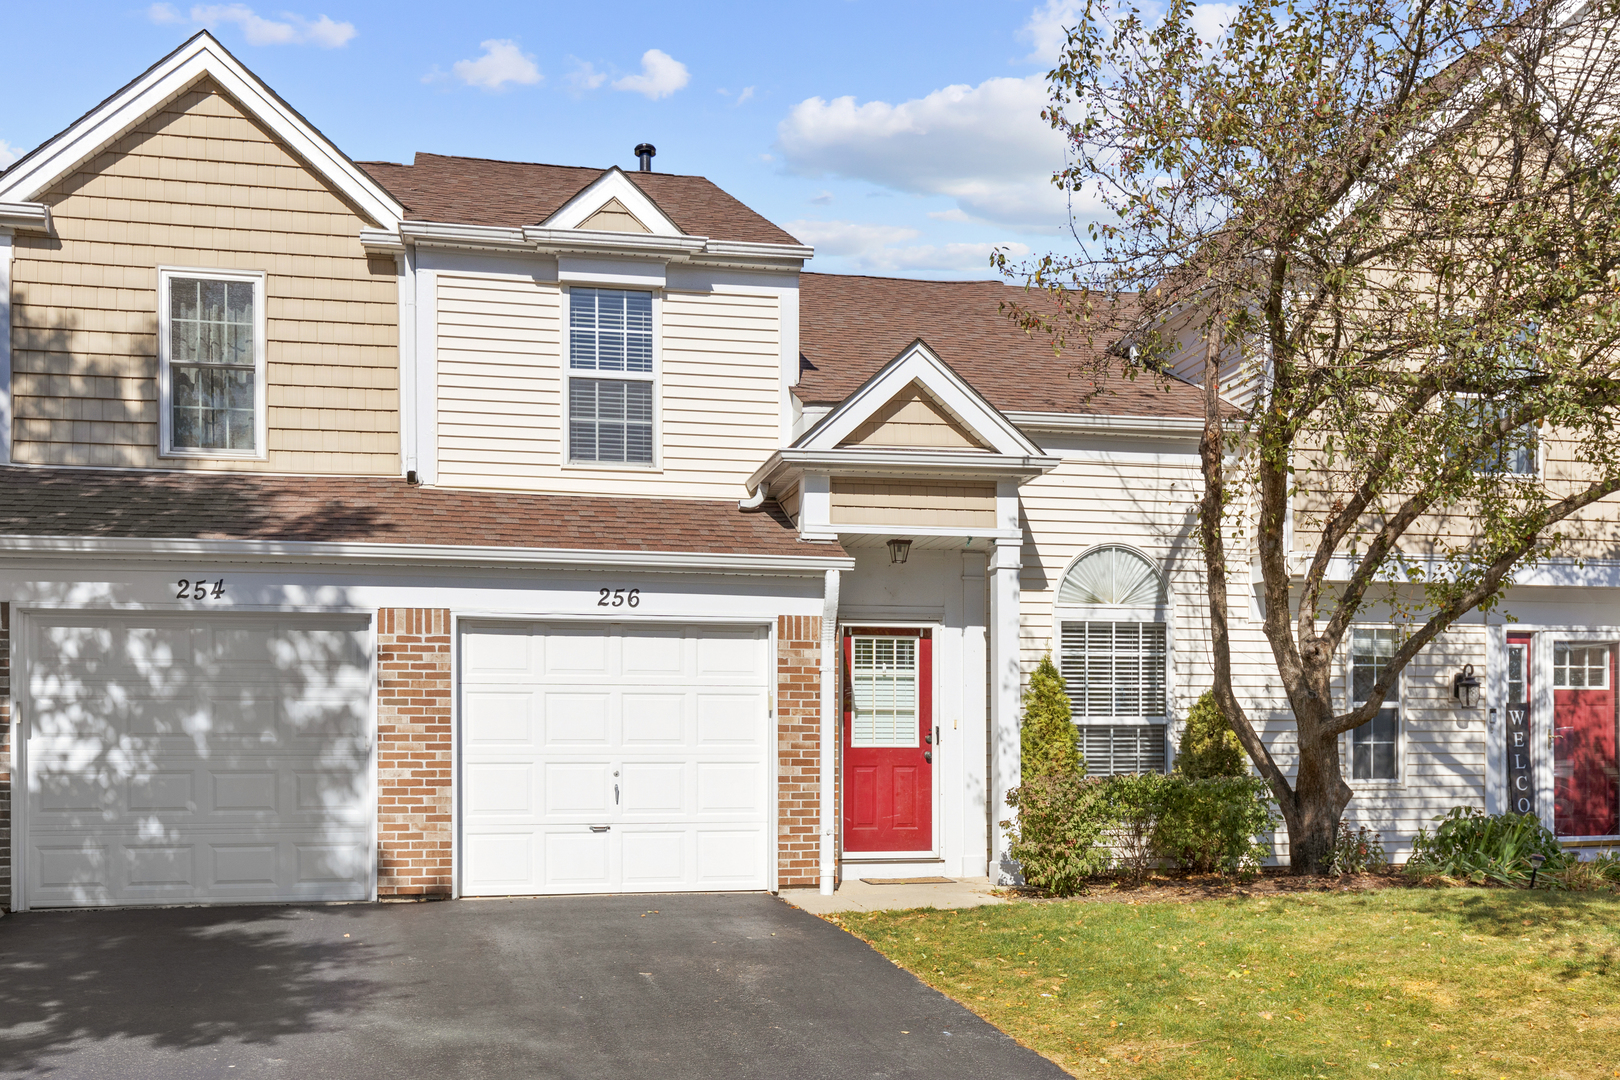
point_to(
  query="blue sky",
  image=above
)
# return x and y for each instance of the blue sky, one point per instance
(899, 138)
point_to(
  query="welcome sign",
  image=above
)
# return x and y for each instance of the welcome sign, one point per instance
(1520, 782)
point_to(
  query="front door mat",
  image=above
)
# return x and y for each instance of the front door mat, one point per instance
(908, 880)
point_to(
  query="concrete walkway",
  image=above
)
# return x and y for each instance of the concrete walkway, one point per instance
(857, 895)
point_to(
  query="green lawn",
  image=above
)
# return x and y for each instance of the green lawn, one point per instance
(1407, 982)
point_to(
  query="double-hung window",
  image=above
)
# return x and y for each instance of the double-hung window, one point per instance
(211, 360)
(1375, 747)
(1112, 646)
(611, 381)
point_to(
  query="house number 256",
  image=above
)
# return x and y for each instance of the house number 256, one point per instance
(186, 589)
(618, 598)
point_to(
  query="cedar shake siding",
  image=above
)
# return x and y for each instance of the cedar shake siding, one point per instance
(200, 184)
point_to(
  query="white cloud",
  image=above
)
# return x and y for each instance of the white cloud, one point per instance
(661, 75)
(1047, 30)
(821, 198)
(984, 146)
(322, 32)
(882, 249)
(8, 153)
(163, 13)
(1210, 20)
(747, 94)
(503, 62)
(585, 76)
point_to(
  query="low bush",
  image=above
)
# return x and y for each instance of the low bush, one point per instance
(1469, 845)
(1215, 824)
(1070, 828)
(1358, 852)
(1058, 837)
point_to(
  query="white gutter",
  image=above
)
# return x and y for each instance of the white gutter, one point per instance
(939, 462)
(1109, 425)
(831, 732)
(26, 216)
(672, 562)
(580, 241)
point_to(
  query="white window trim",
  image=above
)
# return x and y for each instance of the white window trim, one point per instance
(1403, 721)
(1538, 467)
(655, 376)
(1156, 613)
(261, 407)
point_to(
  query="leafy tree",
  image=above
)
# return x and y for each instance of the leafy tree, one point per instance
(1380, 234)
(1049, 742)
(1209, 747)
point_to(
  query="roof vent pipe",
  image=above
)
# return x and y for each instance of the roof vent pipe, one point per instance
(645, 153)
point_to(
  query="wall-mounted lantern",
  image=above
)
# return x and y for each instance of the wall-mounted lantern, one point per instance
(898, 550)
(1465, 687)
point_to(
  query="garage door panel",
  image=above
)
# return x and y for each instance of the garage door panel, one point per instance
(498, 717)
(654, 720)
(201, 762)
(500, 788)
(679, 722)
(577, 719)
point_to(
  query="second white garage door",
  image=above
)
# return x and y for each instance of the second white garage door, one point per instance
(614, 758)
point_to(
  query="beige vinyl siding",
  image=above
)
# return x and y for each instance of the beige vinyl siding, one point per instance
(913, 502)
(1086, 501)
(501, 374)
(914, 419)
(199, 184)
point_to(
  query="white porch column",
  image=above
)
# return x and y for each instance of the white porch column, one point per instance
(831, 732)
(1005, 684)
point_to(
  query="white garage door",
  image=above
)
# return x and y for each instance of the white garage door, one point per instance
(178, 759)
(602, 758)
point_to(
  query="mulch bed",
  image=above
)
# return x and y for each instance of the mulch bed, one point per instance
(1159, 888)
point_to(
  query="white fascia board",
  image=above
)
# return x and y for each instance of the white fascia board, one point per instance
(748, 250)
(1158, 426)
(917, 363)
(1565, 573)
(920, 531)
(447, 234)
(594, 242)
(612, 184)
(25, 217)
(382, 241)
(905, 463)
(199, 57)
(421, 554)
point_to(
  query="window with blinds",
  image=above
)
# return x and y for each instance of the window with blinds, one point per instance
(883, 686)
(610, 419)
(1115, 671)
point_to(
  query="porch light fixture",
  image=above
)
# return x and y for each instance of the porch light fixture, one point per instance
(899, 549)
(1465, 687)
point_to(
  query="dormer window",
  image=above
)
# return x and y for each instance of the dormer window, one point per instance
(211, 363)
(611, 420)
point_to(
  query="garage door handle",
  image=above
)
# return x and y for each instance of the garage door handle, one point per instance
(600, 828)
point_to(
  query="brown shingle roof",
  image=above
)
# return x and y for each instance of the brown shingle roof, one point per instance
(477, 191)
(850, 327)
(235, 506)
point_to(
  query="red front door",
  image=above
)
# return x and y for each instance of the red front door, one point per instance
(888, 741)
(1586, 773)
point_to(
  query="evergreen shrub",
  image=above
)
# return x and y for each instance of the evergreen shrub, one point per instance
(1209, 746)
(1049, 743)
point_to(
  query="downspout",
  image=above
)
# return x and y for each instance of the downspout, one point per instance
(757, 499)
(830, 732)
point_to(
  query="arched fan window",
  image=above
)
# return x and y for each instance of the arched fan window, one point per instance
(1113, 655)
(1116, 576)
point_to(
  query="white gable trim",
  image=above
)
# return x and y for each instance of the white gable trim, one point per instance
(199, 57)
(917, 363)
(612, 184)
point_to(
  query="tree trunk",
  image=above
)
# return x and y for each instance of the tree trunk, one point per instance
(1320, 796)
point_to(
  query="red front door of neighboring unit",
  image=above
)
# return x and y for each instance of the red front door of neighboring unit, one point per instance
(888, 741)
(1586, 772)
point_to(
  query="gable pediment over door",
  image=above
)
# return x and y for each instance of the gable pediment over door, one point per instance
(915, 418)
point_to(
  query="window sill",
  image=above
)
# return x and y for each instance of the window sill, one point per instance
(212, 455)
(611, 466)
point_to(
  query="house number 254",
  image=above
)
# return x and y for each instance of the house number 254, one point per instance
(618, 598)
(186, 589)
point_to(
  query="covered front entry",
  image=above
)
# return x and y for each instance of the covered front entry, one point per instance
(614, 757)
(889, 737)
(185, 758)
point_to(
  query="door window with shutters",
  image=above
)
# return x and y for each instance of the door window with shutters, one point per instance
(1113, 654)
(883, 687)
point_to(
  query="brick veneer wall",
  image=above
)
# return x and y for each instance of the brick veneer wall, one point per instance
(5, 756)
(798, 747)
(413, 752)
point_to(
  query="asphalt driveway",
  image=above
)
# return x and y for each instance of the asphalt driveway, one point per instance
(711, 986)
